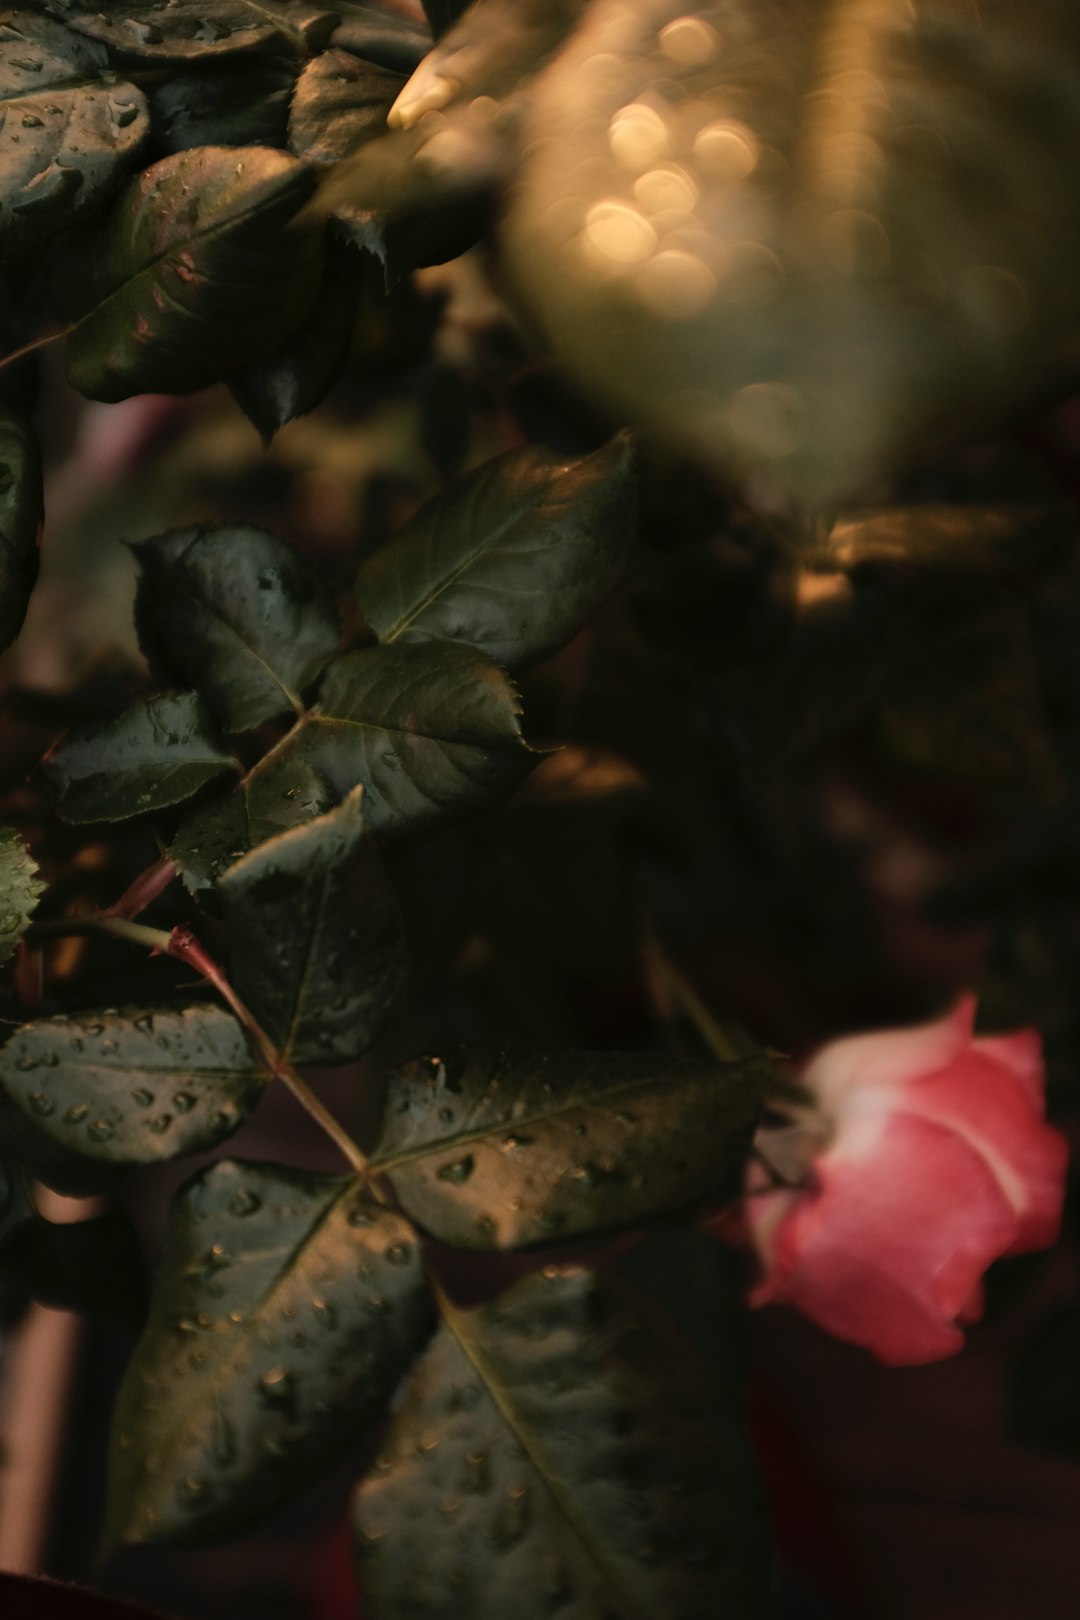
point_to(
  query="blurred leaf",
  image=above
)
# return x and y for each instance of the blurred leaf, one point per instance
(796, 249)
(564, 1449)
(949, 539)
(316, 949)
(388, 38)
(340, 104)
(128, 1088)
(503, 1148)
(285, 1309)
(70, 129)
(193, 30)
(94, 1267)
(237, 613)
(295, 378)
(20, 889)
(158, 752)
(193, 274)
(432, 732)
(286, 794)
(224, 103)
(512, 559)
(21, 516)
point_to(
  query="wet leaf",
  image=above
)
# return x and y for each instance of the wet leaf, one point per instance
(316, 946)
(501, 1148)
(237, 613)
(158, 752)
(20, 890)
(512, 559)
(94, 1267)
(341, 103)
(285, 1309)
(224, 103)
(796, 249)
(431, 732)
(21, 516)
(566, 1450)
(387, 38)
(286, 794)
(69, 129)
(196, 30)
(194, 273)
(121, 1089)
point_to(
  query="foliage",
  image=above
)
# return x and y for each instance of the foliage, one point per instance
(731, 553)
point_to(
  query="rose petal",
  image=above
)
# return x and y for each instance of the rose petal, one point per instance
(888, 1058)
(889, 1249)
(1022, 1053)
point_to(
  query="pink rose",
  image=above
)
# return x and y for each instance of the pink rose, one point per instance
(931, 1159)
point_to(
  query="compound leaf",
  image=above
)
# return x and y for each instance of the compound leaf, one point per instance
(285, 1309)
(158, 752)
(316, 944)
(512, 559)
(501, 1148)
(237, 613)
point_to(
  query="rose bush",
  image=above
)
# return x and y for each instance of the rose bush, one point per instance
(928, 1158)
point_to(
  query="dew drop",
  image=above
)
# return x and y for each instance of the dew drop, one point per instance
(160, 1124)
(142, 1097)
(244, 1202)
(183, 1102)
(76, 1113)
(458, 1171)
(101, 1130)
(41, 1103)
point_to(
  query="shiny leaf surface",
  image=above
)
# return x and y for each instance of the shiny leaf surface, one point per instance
(286, 794)
(315, 938)
(135, 1087)
(285, 1309)
(20, 890)
(796, 237)
(431, 732)
(340, 104)
(158, 752)
(224, 103)
(195, 30)
(237, 613)
(192, 275)
(502, 1149)
(565, 1450)
(512, 559)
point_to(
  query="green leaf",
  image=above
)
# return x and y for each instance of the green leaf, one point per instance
(94, 1267)
(233, 102)
(69, 129)
(564, 1450)
(158, 752)
(432, 732)
(21, 517)
(20, 889)
(796, 250)
(196, 30)
(286, 794)
(340, 104)
(512, 559)
(285, 1309)
(194, 274)
(316, 946)
(237, 613)
(128, 1088)
(502, 1148)
(295, 378)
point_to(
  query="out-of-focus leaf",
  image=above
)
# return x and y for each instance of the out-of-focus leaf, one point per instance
(121, 1089)
(237, 613)
(195, 273)
(316, 948)
(20, 889)
(387, 38)
(285, 1310)
(512, 559)
(224, 103)
(295, 378)
(94, 1267)
(948, 539)
(158, 752)
(286, 794)
(596, 1462)
(506, 1148)
(430, 731)
(21, 516)
(795, 238)
(195, 30)
(70, 129)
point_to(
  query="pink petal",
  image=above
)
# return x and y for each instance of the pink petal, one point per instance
(1022, 1053)
(890, 1248)
(887, 1058)
(990, 1107)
